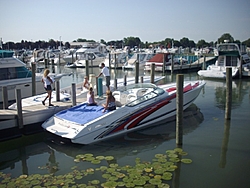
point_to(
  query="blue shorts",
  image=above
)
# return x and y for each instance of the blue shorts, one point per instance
(48, 88)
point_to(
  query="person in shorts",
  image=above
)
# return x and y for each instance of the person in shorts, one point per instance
(47, 82)
(105, 72)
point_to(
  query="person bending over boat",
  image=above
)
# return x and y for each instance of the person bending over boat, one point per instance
(91, 97)
(86, 83)
(47, 81)
(110, 102)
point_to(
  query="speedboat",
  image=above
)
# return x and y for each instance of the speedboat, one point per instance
(138, 106)
(229, 56)
(15, 75)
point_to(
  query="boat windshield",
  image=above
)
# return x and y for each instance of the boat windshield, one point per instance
(136, 94)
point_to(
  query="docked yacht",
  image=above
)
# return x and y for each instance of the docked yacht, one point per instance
(141, 57)
(229, 56)
(92, 51)
(14, 75)
(138, 106)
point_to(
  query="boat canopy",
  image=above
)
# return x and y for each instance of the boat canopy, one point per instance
(6, 53)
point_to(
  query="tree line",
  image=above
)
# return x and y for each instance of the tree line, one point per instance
(129, 41)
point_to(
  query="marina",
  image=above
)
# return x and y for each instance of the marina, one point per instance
(212, 143)
(206, 115)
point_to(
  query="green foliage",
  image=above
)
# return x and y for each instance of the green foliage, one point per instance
(128, 41)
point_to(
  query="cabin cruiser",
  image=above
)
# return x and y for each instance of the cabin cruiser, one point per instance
(141, 57)
(158, 60)
(94, 52)
(229, 56)
(14, 75)
(138, 106)
(116, 59)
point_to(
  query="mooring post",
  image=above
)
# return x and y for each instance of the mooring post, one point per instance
(19, 108)
(5, 97)
(141, 79)
(109, 60)
(228, 93)
(72, 58)
(87, 68)
(179, 108)
(164, 63)
(46, 63)
(204, 63)
(172, 63)
(125, 80)
(152, 73)
(240, 69)
(73, 94)
(115, 83)
(100, 90)
(33, 72)
(57, 91)
(137, 72)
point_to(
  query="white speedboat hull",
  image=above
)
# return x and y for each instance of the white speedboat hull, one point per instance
(138, 114)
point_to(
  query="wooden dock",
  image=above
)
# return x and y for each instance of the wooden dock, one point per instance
(13, 125)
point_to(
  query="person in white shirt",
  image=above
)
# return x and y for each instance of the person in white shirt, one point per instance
(105, 72)
(47, 81)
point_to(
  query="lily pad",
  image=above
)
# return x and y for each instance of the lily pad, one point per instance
(178, 150)
(95, 161)
(100, 157)
(183, 153)
(170, 151)
(186, 161)
(155, 181)
(109, 158)
(95, 182)
(139, 182)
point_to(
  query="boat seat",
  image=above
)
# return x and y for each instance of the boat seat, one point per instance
(120, 98)
(131, 97)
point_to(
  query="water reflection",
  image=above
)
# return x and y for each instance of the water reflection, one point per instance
(223, 158)
(135, 142)
(219, 86)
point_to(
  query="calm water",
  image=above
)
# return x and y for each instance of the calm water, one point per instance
(219, 149)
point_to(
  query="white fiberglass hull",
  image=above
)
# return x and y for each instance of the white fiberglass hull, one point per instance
(123, 120)
(217, 72)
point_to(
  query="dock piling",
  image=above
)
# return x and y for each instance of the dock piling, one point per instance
(141, 79)
(164, 64)
(125, 80)
(228, 93)
(19, 108)
(5, 97)
(137, 71)
(152, 73)
(179, 108)
(33, 72)
(73, 94)
(57, 91)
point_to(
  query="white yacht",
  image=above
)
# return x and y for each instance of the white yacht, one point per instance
(229, 56)
(15, 75)
(92, 51)
(142, 57)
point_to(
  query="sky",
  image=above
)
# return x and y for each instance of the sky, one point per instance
(149, 20)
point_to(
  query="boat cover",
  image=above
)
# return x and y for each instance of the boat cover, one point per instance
(81, 114)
